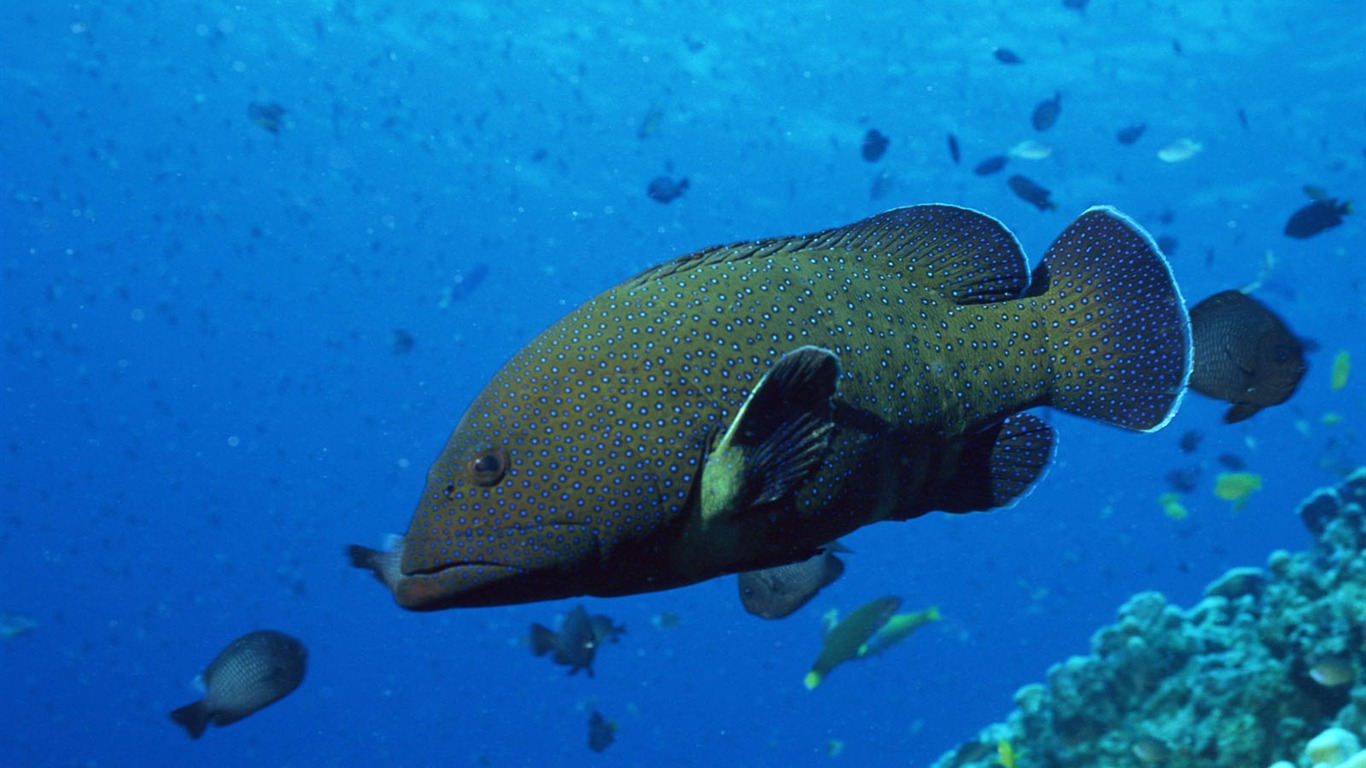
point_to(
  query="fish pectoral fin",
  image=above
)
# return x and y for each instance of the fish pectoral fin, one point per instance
(1240, 412)
(779, 437)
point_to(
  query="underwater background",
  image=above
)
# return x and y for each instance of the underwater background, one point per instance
(258, 257)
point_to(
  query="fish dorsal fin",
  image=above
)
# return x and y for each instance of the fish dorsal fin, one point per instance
(969, 256)
(779, 437)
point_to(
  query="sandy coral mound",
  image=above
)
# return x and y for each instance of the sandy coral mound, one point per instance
(1270, 659)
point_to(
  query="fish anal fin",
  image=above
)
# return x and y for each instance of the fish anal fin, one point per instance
(779, 437)
(1240, 412)
(999, 465)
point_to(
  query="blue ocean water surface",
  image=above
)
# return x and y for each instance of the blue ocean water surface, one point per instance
(204, 397)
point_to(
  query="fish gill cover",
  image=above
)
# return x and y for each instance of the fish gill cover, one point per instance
(257, 258)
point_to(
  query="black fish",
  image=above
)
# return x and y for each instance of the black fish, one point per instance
(1007, 56)
(773, 593)
(953, 149)
(1131, 133)
(1030, 192)
(576, 644)
(1243, 354)
(1167, 244)
(1232, 462)
(993, 164)
(253, 672)
(874, 145)
(1183, 480)
(402, 342)
(1046, 112)
(601, 732)
(1190, 441)
(1076, 5)
(1319, 215)
(665, 189)
(268, 115)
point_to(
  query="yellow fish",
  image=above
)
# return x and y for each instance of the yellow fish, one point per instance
(738, 408)
(1237, 487)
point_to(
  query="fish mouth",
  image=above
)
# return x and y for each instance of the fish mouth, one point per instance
(530, 564)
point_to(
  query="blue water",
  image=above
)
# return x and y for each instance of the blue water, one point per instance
(202, 404)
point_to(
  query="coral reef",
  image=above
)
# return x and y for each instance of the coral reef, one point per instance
(1266, 669)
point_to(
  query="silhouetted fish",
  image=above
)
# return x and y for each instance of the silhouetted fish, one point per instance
(601, 732)
(1030, 192)
(268, 115)
(874, 145)
(954, 154)
(738, 408)
(1007, 56)
(1314, 218)
(665, 189)
(1131, 133)
(253, 672)
(1046, 113)
(576, 644)
(773, 593)
(1244, 354)
(993, 164)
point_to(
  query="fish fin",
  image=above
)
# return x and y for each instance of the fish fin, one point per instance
(1118, 330)
(194, 717)
(969, 256)
(999, 465)
(779, 437)
(1240, 412)
(543, 639)
(383, 564)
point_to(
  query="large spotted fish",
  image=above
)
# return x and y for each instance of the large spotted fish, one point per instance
(737, 408)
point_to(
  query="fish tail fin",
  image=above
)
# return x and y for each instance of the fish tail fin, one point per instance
(543, 639)
(812, 679)
(194, 717)
(1117, 327)
(384, 564)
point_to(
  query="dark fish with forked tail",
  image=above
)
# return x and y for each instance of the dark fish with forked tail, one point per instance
(773, 593)
(738, 408)
(253, 672)
(1244, 354)
(576, 644)
(1046, 113)
(1031, 192)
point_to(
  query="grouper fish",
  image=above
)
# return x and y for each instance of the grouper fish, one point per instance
(740, 407)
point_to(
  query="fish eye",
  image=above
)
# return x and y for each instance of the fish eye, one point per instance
(489, 467)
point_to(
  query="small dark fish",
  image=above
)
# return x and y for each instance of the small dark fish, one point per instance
(953, 149)
(1183, 480)
(402, 342)
(605, 630)
(1076, 5)
(993, 164)
(463, 284)
(874, 145)
(1190, 441)
(268, 115)
(1232, 462)
(1031, 193)
(1242, 117)
(773, 593)
(1007, 56)
(1167, 244)
(665, 189)
(1243, 354)
(1131, 133)
(253, 672)
(1046, 112)
(1314, 218)
(576, 644)
(601, 732)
